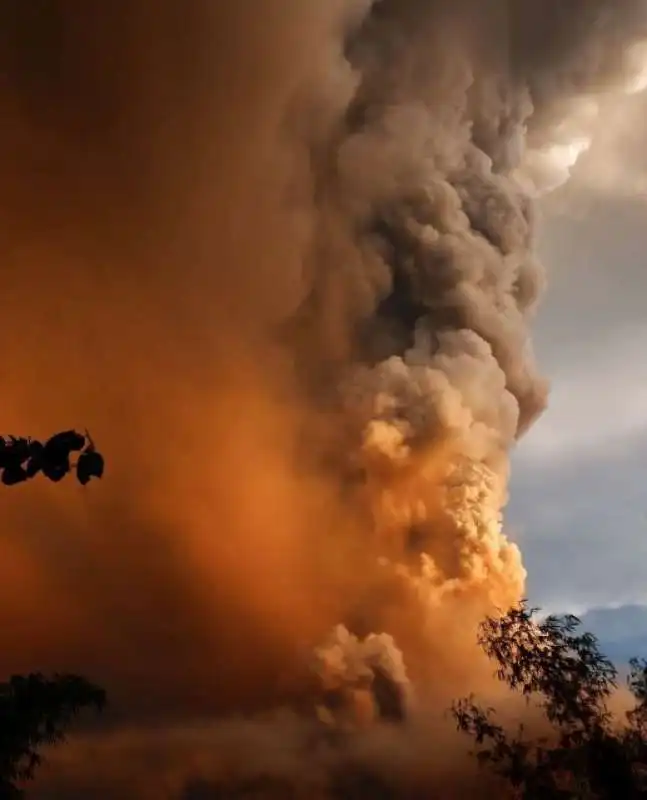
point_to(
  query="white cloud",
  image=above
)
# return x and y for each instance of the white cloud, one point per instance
(578, 495)
(597, 400)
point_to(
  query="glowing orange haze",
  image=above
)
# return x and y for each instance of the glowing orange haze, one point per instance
(153, 236)
(139, 274)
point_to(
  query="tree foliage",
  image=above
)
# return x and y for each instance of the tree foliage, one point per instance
(586, 752)
(23, 458)
(35, 711)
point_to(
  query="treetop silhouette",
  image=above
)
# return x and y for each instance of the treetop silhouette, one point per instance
(34, 712)
(588, 754)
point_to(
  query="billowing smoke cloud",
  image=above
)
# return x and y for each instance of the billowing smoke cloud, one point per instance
(278, 257)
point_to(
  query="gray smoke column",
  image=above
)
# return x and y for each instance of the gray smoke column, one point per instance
(462, 114)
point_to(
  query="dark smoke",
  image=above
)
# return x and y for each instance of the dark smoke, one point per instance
(278, 257)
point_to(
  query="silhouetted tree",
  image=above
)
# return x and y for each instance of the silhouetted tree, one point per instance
(24, 458)
(586, 752)
(34, 710)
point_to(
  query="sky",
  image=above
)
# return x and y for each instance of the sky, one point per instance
(578, 503)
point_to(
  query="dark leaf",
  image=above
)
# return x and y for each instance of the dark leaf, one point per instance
(90, 465)
(61, 445)
(13, 475)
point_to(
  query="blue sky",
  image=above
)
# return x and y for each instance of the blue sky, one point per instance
(579, 488)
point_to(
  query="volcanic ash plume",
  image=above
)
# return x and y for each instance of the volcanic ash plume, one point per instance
(336, 223)
(459, 117)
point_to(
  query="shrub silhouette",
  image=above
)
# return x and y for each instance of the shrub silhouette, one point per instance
(24, 458)
(35, 710)
(587, 754)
